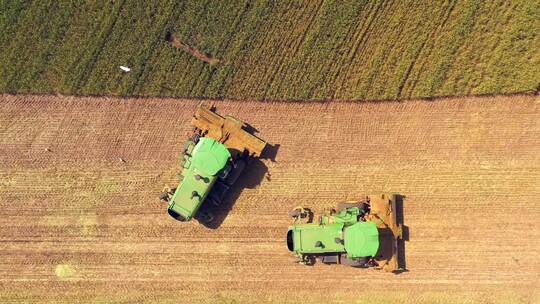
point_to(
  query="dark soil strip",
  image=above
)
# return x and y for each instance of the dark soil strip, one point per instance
(178, 43)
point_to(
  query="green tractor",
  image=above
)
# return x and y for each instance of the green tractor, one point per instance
(359, 234)
(212, 160)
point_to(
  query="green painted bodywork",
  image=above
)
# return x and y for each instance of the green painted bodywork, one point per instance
(361, 240)
(207, 158)
(306, 236)
(358, 238)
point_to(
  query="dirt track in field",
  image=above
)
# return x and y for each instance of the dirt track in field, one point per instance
(79, 224)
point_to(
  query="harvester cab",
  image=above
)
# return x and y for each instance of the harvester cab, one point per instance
(359, 234)
(213, 158)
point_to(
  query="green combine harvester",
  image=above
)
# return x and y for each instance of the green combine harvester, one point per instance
(212, 160)
(359, 234)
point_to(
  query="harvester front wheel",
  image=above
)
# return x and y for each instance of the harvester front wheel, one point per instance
(295, 213)
(213, 200)
(164, 196)
(205, 217)
(356, 262)
(196, 136)
(300, 213)
(362, 205)
(237, 169)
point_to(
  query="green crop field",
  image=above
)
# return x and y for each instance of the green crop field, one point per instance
(313, 49)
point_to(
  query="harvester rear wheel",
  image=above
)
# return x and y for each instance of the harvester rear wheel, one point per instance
(308, 260)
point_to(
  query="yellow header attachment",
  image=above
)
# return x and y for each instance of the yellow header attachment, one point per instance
(227, 130)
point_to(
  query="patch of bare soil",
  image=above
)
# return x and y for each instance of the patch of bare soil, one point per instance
(178, 43)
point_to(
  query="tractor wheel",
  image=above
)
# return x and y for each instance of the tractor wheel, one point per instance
(164, 196)
(172, 191)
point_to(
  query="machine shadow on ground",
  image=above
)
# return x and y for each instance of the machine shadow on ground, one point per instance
(400, 217)
(391, 252)
(251, 178)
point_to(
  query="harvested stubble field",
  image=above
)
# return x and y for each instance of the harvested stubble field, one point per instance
(274, 50)
(77, 224)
